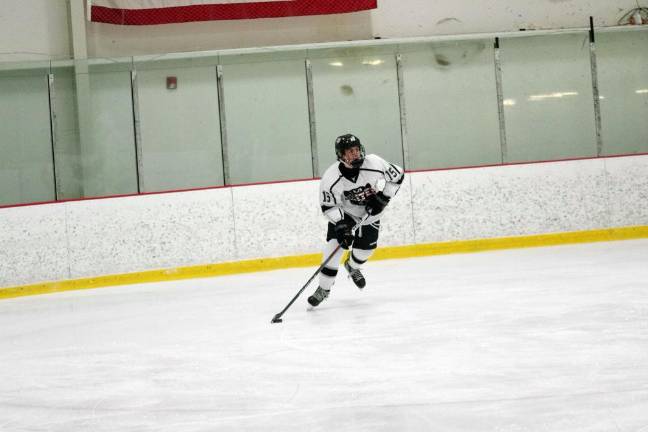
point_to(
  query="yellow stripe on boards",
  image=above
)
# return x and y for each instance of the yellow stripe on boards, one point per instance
(192, 272)
(266, 264)
(479, 245)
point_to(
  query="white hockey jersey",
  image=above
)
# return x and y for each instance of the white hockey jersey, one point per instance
(339, 195)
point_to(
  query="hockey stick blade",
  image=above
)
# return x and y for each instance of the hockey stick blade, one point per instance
(276, 319)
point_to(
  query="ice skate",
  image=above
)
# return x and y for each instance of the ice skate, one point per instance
(355, 274)
(318, 296)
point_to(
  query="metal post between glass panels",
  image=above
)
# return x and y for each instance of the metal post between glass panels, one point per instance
(402, 111)
(52, 117)
(223, 124)
(500, 102)
(311, 117)
(595, 91)
(137, 132)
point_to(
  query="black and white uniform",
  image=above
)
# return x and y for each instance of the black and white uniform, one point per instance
(344, 193)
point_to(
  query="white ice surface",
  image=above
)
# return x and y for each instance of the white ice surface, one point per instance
(546, 339)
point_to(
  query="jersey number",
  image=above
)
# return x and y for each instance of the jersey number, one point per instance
(392, 173)
(327, 198)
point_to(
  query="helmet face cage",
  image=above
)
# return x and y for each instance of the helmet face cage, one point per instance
(345, 142)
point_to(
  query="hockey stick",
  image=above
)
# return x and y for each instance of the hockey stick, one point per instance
(277, 317)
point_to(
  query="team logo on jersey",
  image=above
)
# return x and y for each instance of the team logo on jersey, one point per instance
(359, 195)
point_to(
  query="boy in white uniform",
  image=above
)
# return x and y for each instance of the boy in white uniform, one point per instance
(349, 190)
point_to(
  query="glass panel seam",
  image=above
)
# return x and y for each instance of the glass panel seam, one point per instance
(311, 117)
(500, 102)
(223, 124)
(596, 95)
(137, 131)
(52, 118)
(402, 111)
(83, 118)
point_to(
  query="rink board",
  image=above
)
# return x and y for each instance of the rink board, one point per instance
(388, 252)
(123, 240)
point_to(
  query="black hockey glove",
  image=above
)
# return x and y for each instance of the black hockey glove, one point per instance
(377, 203)
(343, 233)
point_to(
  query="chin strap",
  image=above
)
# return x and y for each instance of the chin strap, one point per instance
(357, 163)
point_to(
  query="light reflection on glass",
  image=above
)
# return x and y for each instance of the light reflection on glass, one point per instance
(372, 62)
(554, 95)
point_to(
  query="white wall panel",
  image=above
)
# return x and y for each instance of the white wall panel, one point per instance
(510, 200)
(32, 29)
(424, 17)
(551, 197)
(33, 244)
(278, 219)
(455, 205)
(128, 234)
(392, 19)
(628, 188)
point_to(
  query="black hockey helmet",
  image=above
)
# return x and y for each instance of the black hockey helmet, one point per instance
(345, 142)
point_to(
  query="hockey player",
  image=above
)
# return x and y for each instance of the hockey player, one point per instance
(352, 188)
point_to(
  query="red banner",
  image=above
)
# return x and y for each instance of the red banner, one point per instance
(148, 12)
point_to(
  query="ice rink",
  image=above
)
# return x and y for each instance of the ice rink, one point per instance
(543, 339)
